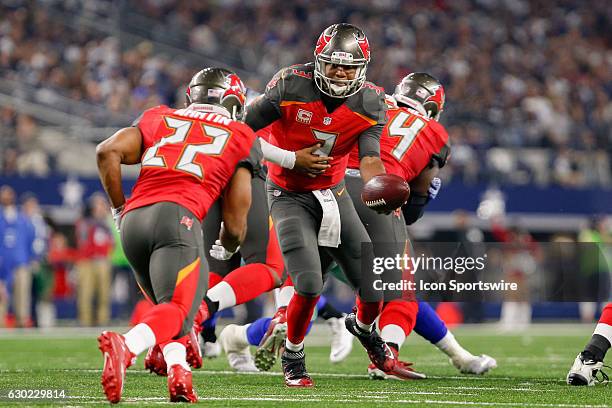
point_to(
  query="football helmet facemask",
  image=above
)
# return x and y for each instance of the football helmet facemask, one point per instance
(341, 44)
(220, 87)
(421, 92)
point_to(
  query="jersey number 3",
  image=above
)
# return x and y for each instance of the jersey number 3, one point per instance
(407, 133)
(185, 161)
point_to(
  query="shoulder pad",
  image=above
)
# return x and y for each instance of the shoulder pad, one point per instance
(369, 102)
(294, 83)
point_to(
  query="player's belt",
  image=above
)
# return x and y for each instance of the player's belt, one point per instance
(353, 173)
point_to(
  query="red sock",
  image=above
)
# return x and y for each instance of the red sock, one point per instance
(367, 312)
(400, 313)
(213, 279)
(606, 315)
(165, 320)
(182, 340)
(299, 314)
(252, 280)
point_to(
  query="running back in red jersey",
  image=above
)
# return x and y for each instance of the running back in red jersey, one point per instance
(189, 156)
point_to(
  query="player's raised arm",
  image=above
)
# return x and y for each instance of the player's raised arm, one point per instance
(124, 147)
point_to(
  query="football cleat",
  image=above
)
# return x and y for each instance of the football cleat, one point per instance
(341, 341)
(294, 369)
(378, 351)
(117, 358)
(401, 371)
(476, 365)
(180, 385)
(270, 345)
(155, 362)
(194, 354)
(236, 349)
(584, 371)
(211, 349)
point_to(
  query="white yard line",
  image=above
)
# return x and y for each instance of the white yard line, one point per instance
(304, 398)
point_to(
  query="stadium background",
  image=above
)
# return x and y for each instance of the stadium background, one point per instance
(529, 108)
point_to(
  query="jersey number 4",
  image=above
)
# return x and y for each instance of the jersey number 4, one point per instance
(397, 128)
(185, 161)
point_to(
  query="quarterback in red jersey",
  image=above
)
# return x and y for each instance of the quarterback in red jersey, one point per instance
(330, 105)
(188, 157)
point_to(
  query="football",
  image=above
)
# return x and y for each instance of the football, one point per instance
(385, 192)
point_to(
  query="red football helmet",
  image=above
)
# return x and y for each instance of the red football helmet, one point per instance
(342, 44)
(218, 86)
(421, 92)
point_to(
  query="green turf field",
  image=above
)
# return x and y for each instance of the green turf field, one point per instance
(531, 372)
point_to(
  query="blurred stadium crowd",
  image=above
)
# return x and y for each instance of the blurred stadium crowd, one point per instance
(529, 88)
(529, 84)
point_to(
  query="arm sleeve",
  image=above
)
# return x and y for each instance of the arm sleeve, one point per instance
(369, 142)
(414, 208)
(274, 154)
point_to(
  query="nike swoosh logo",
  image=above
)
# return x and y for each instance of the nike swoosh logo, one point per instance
(341, 191)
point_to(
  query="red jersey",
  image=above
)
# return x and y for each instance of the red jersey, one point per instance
(305, 121)
(189, 157)
(408, 144)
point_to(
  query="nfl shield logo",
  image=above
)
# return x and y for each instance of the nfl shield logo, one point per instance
(326, 120)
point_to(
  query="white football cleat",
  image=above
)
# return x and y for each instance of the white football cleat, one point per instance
(584, 370)
(210, 349)
(476, 365)
(342, 340)
(236, 349)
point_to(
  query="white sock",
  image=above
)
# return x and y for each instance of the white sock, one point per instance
(242, 335)
(604, 330)
(176, 353)
(284, 296)
(139, 338)
(364, 327)
(294, 347)
(452, 348)
(392, 333)
(223, 293)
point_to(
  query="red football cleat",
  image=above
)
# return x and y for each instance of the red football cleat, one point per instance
(194, 354)
(270, 345)
(201, 316)
(117, 358)
(155, 362)
(180, 385)
(401, 371)
(379, 352)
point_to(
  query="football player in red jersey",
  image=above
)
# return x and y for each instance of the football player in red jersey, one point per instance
(414, 146)
(188, 156)
(331, 104)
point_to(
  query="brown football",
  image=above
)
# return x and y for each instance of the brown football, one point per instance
(385, 192)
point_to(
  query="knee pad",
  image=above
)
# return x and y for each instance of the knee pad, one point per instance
(308, 284)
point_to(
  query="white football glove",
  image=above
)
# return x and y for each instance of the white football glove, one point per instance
(219, 252)
(434, 188)
(117, 216)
